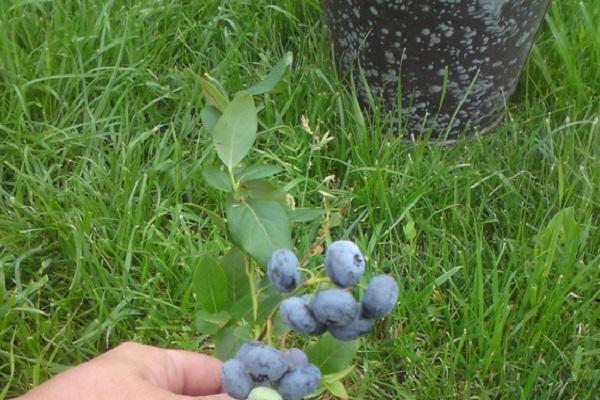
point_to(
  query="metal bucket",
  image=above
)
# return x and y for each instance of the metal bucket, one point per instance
(449, 65)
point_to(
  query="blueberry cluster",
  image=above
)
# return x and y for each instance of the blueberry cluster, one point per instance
(334, 310)
(260, 372)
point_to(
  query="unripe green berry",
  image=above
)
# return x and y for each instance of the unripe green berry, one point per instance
(264, 393)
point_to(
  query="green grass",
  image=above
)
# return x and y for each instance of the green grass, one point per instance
(100, 196)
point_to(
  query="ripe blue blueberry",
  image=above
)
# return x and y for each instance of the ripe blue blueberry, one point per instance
(245, 349)
(380, 297)
(354, 330)
(283, 270)
(344, 263)
(295, 312)
(334, 307)
(265, 364)
(235, 380)
(296, 357)
(299, 382)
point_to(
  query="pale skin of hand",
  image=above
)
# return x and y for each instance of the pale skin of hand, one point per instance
(137, 372)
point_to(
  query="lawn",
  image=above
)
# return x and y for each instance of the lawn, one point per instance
(495, 241)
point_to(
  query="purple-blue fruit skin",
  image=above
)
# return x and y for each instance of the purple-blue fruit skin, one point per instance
(235, 380)
(282, 270)
(245, 349)
(296, 313)
(265, 364)
(334, 307)
(354, 330)
(344, 263)
(380, 297)
(299, 382)
(296, 357)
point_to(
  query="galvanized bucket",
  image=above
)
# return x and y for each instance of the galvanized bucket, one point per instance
(448, 65)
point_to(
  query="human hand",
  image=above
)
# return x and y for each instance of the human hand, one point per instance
(137, 372)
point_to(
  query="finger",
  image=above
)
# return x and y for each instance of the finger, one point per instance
(176, 371)
(194, 374)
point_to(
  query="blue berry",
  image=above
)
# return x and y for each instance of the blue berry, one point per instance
(354, 330)
(334, 307)
(283, 270)
(380, 297)
(299, 382)
(295, 312)
(296, 357)
(245, 349)
(265, 364)
(235, 380)
(344, 263)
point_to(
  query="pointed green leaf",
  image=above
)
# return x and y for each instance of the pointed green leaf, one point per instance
(209, 323)
(262, 189)
(210, 116)
(269, 83)
(305, 214)
(235, 131)
(259, 227)
(210, 285)
(257, 172)
(213, 94)
(337, 389)
(234, 265)
(226, 343)
(332, 355)
(217, 179)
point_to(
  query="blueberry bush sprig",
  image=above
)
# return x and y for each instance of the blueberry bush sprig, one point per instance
(271, 374)
(251, 296)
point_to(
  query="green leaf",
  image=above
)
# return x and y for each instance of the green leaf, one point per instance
(332, 355)
(210, 285)
(217, 179)
(269, 83)
(259, 227)
(213, 94)
(257, 172)
(235, 131)
(305, 214)
(243, 333)
(242, 309)
(209, 323)
(262, 189)
(234, 265)
(337, 389)
(210, 116)
(226, 343)
(338, 376)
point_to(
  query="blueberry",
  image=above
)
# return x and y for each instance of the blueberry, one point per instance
(245, 349)
(344, 263)
(380, 297)
(265, 364)
(235, 380)
(296, 357)
(299, 381)
(354, 330)
(296, 313)
(264, 393)
(283, 270)
(334, 307)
